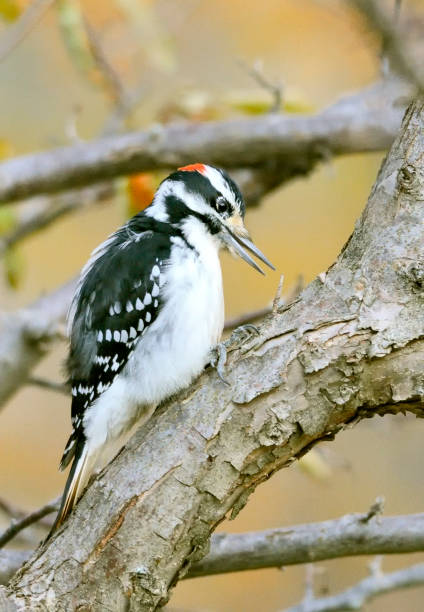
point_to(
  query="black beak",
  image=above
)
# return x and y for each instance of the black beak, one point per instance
(238, 242)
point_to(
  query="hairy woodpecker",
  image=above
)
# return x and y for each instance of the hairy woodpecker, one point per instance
(147, 312)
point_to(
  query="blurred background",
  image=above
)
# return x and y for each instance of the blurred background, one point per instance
(175, 59)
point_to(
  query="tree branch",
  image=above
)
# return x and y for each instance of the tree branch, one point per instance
(350, 347)
(393, 42)
(260, 313)
(18, 525)
(365, 590)
(10, 562)
(292, 146)
(276, 90)
(350, 535)
(16, 512)
(343, 537)
(50, 385)
(26, 336)
(26, 22)
(49, 210)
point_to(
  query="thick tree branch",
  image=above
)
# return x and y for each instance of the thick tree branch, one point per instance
(350, 347)
(348, 536)
(369, 588)
(10, 562)
(290, 145)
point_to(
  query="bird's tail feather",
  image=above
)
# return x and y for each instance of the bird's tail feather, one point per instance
(77, 479)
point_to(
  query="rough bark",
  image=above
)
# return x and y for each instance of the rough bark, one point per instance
(10, 562)
(350, 535)
(350, 347)
(280, 146)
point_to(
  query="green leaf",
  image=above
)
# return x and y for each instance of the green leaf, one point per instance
(71, 22)
(7, 219)
(14, 266)
(6, 149)
(9, 10)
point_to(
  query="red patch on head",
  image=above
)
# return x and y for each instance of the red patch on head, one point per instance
(194, 168)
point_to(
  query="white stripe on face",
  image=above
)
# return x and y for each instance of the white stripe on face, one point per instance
(220, 184)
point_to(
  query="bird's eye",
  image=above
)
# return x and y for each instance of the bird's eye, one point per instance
(221, 204)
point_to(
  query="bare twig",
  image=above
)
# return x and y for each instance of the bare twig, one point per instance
(343, 537)
(18, 525)
(10, 509)
(15, 512)
(393, 44)
(254, 315)
(51, 209)
(48, 384)
(26, 22)
(365, 122)
(126, 104)
(276, 302)
(365, 590)
(296, 290)
(27, 334)
(32, 534)
(375, 566)
(396, 11)
(247, 317)
(112, 78)
(276, 91)
(309, 582)
(376, 509)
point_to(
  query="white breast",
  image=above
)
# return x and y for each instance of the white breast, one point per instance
(174, 349)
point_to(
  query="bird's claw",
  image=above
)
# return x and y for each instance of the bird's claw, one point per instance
(218, 361)
(219, 354)
(242, 334)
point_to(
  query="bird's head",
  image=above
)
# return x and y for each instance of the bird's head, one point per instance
(204, 198)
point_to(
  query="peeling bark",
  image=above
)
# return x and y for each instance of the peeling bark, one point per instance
(350, 347)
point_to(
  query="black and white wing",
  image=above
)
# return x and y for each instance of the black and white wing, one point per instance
(119, 296)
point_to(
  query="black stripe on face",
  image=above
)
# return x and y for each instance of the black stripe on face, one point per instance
(197, 183)
(178, 212)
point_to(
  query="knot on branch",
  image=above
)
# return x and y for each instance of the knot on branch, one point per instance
(145, 588)
(413, 273)
(275, 431)
(411, 181)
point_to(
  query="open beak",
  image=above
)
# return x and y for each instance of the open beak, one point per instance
(239, 244)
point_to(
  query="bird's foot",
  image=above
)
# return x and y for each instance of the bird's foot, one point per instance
(219, 354)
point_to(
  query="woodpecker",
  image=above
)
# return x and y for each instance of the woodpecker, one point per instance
(147, 311)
